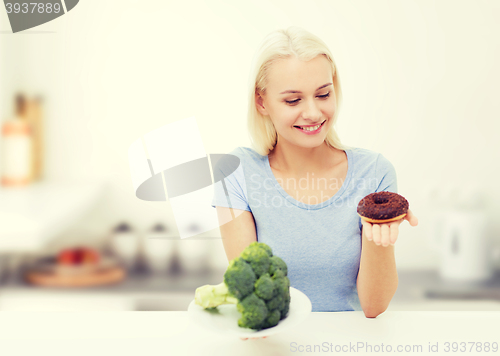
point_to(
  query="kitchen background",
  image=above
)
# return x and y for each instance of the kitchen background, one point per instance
(420, 82)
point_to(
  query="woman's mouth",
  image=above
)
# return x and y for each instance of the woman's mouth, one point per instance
(311, 130)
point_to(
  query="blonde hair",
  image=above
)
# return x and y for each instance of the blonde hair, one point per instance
(281, 44)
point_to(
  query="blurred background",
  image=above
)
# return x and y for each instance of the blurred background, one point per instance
(419, 80)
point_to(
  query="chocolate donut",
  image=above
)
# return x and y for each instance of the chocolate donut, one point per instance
(382, 207)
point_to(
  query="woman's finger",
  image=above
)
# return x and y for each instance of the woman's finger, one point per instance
(367, 229)
(394, 233)
(412, 219)
(376, 233)
(385, 235)
(253, 338)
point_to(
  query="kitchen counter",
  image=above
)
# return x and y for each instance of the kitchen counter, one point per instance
(139, 292)
(426, 290)
(417, 290)
(428, 284)
(173, 333)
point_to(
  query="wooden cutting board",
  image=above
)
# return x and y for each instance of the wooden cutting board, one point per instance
(75, 276)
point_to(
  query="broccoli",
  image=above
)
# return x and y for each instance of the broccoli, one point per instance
(257, 282)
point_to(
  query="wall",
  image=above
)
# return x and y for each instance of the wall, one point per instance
(419, 82)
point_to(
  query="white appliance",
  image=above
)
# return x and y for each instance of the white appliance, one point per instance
(460, 233)
(466, 253)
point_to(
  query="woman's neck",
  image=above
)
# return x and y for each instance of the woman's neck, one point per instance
(298, 161)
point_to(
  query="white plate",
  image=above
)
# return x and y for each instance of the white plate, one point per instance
(225, 321)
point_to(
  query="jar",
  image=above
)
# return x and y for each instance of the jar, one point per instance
(17, 148)
(159, 248)
(125, 244)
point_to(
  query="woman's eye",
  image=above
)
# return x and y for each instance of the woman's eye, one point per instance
(319, 96)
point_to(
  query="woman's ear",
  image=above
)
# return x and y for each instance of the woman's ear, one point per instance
(259, 103)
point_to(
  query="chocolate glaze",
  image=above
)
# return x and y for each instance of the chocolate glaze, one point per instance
(383, 205)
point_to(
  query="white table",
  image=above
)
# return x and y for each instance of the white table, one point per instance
(172, 333)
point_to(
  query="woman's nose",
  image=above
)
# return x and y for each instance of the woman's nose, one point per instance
(311, 111)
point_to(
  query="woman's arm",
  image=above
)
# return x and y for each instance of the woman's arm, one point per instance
(377, 280)
(238, 233)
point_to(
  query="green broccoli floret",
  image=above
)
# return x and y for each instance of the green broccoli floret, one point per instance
(239, 278)
(277, 264)
(283, 289)
(257, 282)
(265, 287)
(272, 320)
(258, 256)
(264, 246)
(276, 302)
(253, 312)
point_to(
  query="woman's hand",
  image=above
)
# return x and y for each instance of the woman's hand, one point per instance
(253, 338)
(387, 234)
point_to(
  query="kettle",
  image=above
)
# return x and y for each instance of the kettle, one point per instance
(460, 235)
(465, 248)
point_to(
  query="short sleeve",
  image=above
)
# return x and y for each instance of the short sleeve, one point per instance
(387, 174)
(230, 191)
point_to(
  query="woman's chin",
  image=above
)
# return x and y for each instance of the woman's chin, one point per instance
(316, 143)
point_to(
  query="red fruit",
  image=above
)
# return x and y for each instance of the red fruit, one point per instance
(90, 256)
(66, 257)
(78, 252)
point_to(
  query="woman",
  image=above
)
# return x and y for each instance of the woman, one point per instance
(298, 188)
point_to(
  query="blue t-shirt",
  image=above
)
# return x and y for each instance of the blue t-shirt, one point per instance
(320, 243)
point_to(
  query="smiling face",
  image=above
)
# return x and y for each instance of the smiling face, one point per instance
(299, 93)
